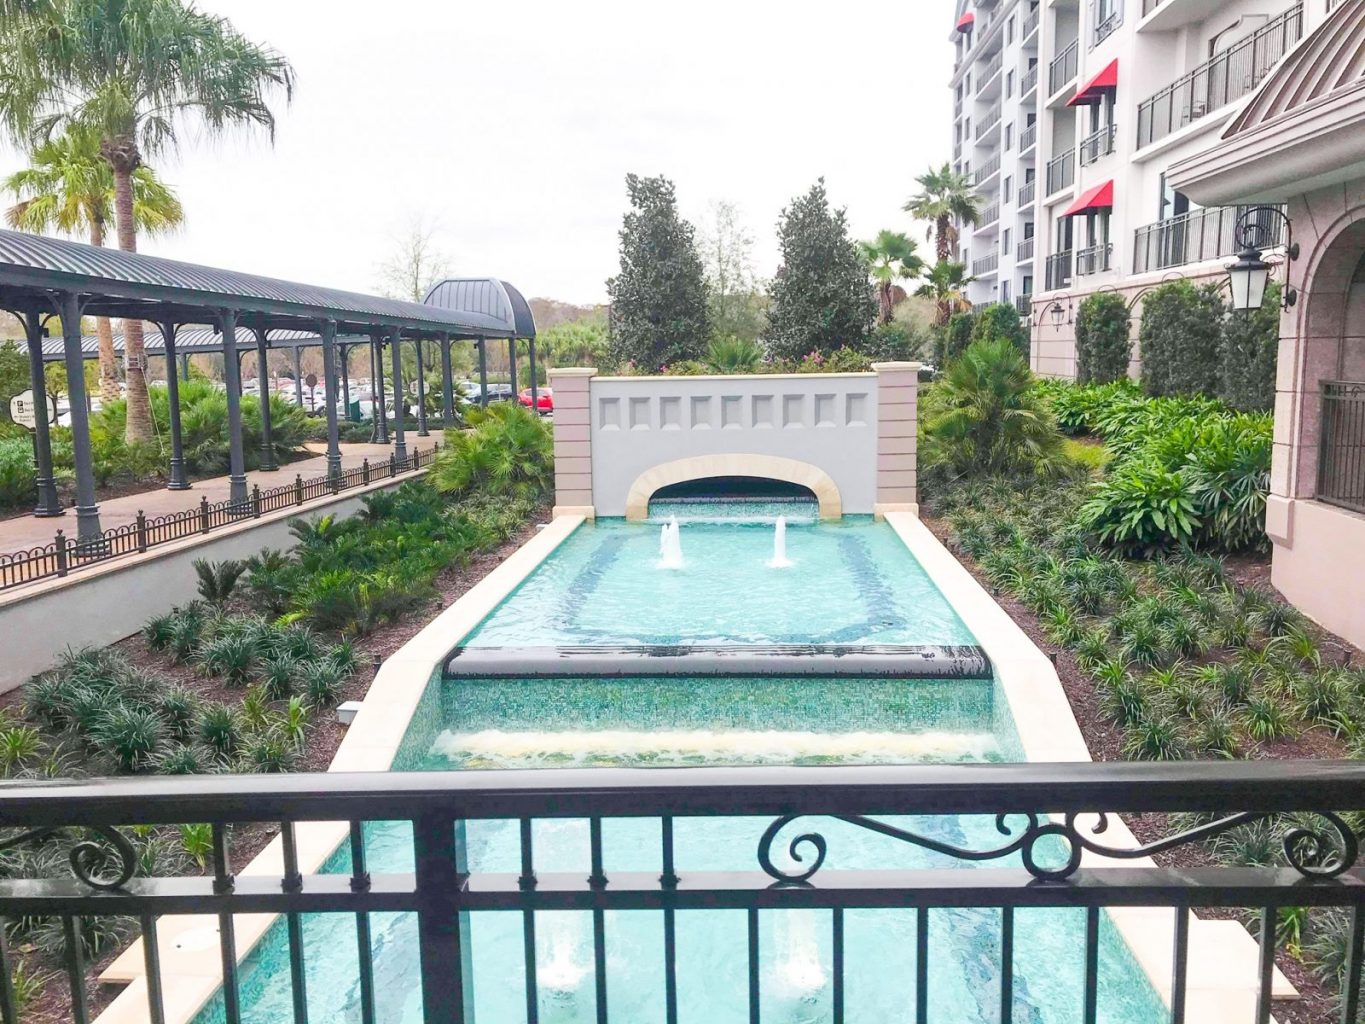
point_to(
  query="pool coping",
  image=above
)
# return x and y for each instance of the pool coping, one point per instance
(191, 961)
(1223, 957)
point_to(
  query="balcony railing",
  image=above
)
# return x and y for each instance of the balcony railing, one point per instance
(986, 265)
(989, 215)
(1194, 237)
(1224, 79)
(1063, 67)
(983, 172)
(1047, 816)
(1026, 193)
(1024, 251)
(1061, 172)
(1028, 137)
(1029, 80)
(1030, 23)
(1341, 450)
(1105, 22)
(1097, 144)
(992, 69)
(1023, 304)
(985, 127)
(1148, 6)
(1059, 269)
(1094, 259)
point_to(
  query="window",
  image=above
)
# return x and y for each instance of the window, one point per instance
(1027, 287)
(1004, 291)
(1064, 234)
(1097, 227)
(1029, 174)
(1173, 203)
(1009, 136)
(1005, 241)
(1008, 189)
(1009, 30)
(1028, 229)
(1009, 84)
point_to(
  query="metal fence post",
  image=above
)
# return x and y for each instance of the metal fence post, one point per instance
(256, 500)
(141, 531)
(365, 471)
(393, 465)
(204, 514)
(298, 488)
(442, 960)
(61, 554)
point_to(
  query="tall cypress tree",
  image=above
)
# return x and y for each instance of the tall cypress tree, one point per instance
(659, 311)
(821, 298)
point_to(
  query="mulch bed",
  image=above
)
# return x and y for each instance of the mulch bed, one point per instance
(324, 737)
(1105, 740)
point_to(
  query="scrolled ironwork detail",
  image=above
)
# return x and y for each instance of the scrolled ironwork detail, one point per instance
(106, 865)
(1315, 853)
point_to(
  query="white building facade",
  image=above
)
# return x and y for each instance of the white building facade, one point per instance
(1125, 89)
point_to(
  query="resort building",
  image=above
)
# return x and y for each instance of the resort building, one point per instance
(1077, 112)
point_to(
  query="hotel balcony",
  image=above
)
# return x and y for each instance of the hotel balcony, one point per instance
(1097, 144)
(986, 171)
(1023, 252)
(986, 265)
(1028, 138)
(1061, 172)
(1193, 238)
(1063, 68)
(1027, 192)
(1059, 270)
(1094, 259)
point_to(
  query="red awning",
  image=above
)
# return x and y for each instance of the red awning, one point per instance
(964, 23)
(1101, 197)
(1108, 79)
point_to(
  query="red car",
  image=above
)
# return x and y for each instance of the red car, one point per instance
(545, 399)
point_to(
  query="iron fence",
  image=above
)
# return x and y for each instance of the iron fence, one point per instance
(1058, 273)
(993, 66)
(1061, 172)
(1063, 67)
(1097, 144)
(1196, 236)
(1223, 79)
(1046, 816)
(1341, 450)
(65, 554)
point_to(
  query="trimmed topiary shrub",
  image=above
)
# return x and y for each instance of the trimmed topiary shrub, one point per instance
(1103, 343)
(1251, 342)
(1181, 338)
(1001, 322)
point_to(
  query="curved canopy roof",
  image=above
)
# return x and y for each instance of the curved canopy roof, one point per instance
(191, 341)
(486, 296)
(136, 286)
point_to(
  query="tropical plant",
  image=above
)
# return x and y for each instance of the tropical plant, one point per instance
(659, 309)
(217, 580)
(1141, 508)
(733, 355)
(946, 286)
(890, 257)
(820, 299)
(1103, 343)
(946, 200)
(133, 73)
(69, 187)
(985, 418)
(197, 842)
(509, 452)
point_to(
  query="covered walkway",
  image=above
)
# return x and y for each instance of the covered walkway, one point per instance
(44, 279)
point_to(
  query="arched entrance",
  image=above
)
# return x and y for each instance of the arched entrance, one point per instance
(765, 467)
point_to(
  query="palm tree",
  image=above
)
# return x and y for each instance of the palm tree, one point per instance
(946, 284)
(68, 187)
(947, 200)
(135, 73)
(891, 257)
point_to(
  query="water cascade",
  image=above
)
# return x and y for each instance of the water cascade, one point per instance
(780, 559)
(564, 969)
(670, 545)
(800, 972)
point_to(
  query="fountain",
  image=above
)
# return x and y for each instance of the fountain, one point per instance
(563, 970)
(800, 973)
(780, 559)
(670, 545)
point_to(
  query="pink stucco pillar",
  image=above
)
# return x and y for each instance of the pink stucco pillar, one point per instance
(573, 440)
(897, 424)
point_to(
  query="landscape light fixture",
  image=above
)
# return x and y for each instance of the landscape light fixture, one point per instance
(1254, 232)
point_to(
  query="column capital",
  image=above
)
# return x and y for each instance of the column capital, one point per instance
(896, 367)
(572, 371)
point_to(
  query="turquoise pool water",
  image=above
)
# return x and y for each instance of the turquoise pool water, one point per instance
(651, 721)
(851, 582)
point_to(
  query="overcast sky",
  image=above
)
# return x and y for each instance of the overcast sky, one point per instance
(510, 126)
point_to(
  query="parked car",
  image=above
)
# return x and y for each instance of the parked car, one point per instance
(501, 393)
(545, 400)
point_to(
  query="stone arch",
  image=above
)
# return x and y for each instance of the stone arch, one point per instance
(699, 467)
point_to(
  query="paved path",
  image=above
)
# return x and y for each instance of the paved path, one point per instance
(24, 532)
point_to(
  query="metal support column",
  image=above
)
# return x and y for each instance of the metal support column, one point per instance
(400, 447)
(512, 365)
(236, 461)
(177, 481)
(329, 389)
(87, 511)
(263, 389)
(185, 368)
(298, 376)
(48, 502)
(483, 373)
(345, 380)
(421, 393)
(535, 392)
(381, 417)
(447, 383)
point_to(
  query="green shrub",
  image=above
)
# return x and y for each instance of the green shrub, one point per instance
(1001, 322)
(217, 580)
(954, 339)
(179, 710)
(984, 417)
(509, 452)
(132, 737)
(1251, 342)
(219, 729)
(733, 355)
(233, 657)
(182, 760)
(1103, 339)
(1181, 334)
(1141, 508)
(269, 753)
(277, 677)
(322, 682)
(18, 478)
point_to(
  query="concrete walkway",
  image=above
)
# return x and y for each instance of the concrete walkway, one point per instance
(24, 532)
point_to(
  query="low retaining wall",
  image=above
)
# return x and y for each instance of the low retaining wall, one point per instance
(103, 604)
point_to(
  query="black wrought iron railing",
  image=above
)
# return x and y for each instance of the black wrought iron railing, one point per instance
(1024, 250)
(1028, 137)
(1341, 449)
(986, 265)
(1029, 80)
(1106, 16)
(1058, 272)
(1097, 144)
(1094, 259)
(1026, 193)
(1061, 172)
(1023, 304)
(1046, 816)
(66, 555)
(1194, 237)
(1063, 67)
(1223, 79)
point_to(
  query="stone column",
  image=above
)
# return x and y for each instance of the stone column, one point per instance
(897, 421)
(572, 387)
